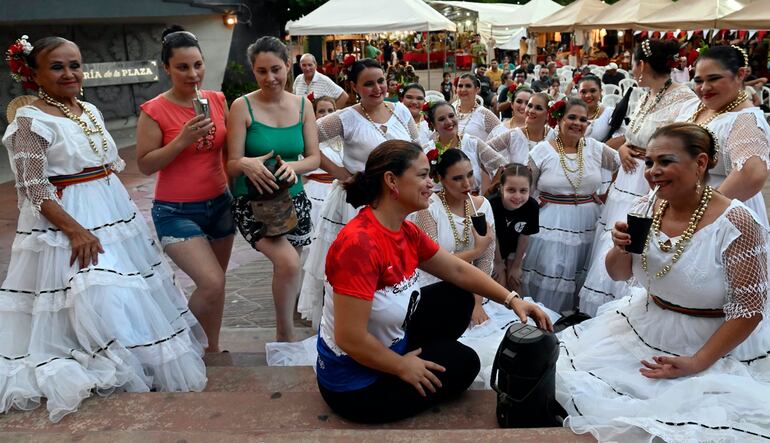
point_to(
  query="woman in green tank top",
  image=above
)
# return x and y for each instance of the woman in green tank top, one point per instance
(264, 124)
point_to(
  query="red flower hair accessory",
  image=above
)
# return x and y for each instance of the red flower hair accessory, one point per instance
(16, 56)
(434, 157)
(577, 78)
(555, 112)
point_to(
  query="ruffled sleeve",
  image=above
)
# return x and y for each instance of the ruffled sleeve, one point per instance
(331, 126)
(746, 269)
(746, 140)
(28, 145)
(425, 221)
(610, 159)
(500, 142)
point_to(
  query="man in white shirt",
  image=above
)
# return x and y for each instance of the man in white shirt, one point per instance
(320, 85)
(681, 74)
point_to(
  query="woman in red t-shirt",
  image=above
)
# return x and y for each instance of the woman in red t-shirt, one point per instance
(191, 209)
(386, 349)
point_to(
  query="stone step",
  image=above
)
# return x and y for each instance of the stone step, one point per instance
(254, 339)
(534, 435)
(287, 414)
(261, 379)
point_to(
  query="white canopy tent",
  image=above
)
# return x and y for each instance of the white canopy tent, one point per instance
(370, 16)
(692, 14)
(526, 15)
(493, 18)
(565, 19)
(624, 14)
(753, 16)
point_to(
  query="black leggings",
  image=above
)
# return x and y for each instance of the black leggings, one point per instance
(442, 315)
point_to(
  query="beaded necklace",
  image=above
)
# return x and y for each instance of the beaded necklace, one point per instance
(643, 110)
(463, 115)
(596, 114)
(460, 243)
(742, 97)
(377, 126)
(686, 235)
(526, 134)
(88, 131)
(580, 169)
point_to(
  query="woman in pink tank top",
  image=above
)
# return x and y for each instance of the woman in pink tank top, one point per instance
(191, 209)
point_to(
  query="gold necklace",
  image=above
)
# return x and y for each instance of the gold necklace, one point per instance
(692, 226)
(526, 134)
(742, 97)
(580, 169)
(596, 114)
(97, 129)
(643, 110)
(377, 126)
(464, 115)
(460, 243)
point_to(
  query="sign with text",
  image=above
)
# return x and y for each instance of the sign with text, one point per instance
(119, 73)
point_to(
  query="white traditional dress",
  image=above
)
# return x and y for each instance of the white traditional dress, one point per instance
(66, 332)
(360, 136)
(599, 129)
(724, 266)
(553, 269)
(514, 145)
(481, 122)
(484, 160)
(319, 183)
(424, 132)
(436, 223)
(742, 135)
(599, 288)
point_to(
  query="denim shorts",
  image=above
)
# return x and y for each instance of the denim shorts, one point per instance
(180, 221)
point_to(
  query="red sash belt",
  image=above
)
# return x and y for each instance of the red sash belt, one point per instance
(86, 175)
(321, 178)
(693, 312)
(568, 199)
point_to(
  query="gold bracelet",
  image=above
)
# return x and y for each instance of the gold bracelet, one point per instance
(510, 298)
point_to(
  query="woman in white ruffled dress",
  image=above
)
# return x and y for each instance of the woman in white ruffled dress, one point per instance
(659, 107)
(474, 119)
(413, 98)
(686, 358)
(89, 303)
(566, 176)
(318, 184)
(514, 145)
(485, 161)
(362, 128)
(741, 128)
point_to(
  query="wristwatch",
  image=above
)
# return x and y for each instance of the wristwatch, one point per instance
(510, 298)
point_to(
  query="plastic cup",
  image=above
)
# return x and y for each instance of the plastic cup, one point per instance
(638, 229)
(479, 224)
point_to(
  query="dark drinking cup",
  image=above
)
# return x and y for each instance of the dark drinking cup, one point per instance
(479, 224)
(638, 229)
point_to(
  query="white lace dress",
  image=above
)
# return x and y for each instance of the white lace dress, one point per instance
(360, 136)
(514, 145)
(742, 135)
(424, 132)
(598, 129)
(66, 332)
(724, 266)
(435, 222)
(481, 123)
(553, 269)
(599, 288)
(317, 191)
(484, 160)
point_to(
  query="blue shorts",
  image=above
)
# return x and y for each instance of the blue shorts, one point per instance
(176, 222)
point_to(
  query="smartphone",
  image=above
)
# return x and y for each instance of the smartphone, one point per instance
(200, 104)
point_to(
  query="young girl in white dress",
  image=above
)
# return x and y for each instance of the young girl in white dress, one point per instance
(566, 176)
(413, 98)
(318, 184)
(362, 128)
(658, 108)
(685, 357)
